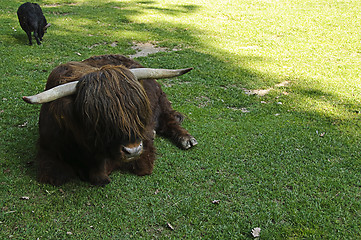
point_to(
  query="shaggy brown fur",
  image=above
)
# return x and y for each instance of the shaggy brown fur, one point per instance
(85, 134)
(116, 105)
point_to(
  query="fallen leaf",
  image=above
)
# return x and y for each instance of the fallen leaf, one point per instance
(170, 226)
(23, 125)
(256, 232)
(9, 212)
(49, 192)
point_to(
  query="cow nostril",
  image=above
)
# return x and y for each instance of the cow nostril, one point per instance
(133, 151)
(125, 150)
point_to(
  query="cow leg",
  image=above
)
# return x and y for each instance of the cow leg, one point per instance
(51, 169)
(169, 127)
(98, 173)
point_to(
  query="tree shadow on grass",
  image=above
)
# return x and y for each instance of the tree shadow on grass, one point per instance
(117, 17)
(328, 102)
(21, 37)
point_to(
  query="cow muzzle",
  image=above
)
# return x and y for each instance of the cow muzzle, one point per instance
(132, 150)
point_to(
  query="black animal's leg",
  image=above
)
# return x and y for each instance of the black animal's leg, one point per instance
(39, 34)
(37, 37)
(51, 169)
(29, 37)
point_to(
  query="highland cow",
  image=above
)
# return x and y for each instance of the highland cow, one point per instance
(31, 19)
(100, 115)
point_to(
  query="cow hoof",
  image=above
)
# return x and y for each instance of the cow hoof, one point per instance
(188, 142)
(143, 172)
(100, 181)
(53, 181)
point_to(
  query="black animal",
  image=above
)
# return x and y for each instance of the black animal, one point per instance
(32, 19)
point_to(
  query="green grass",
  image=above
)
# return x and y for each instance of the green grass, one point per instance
(290, 164)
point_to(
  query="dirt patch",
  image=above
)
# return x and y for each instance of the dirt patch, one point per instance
(202, 101)
(59, 5)
(113, 44)
(263, 92)
(145, 49)
(244, 110)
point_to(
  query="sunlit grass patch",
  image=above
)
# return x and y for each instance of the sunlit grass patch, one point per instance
(286, 161)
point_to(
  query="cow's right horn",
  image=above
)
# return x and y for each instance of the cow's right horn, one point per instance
(52, 93)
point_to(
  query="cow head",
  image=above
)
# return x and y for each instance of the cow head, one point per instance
(112, 105)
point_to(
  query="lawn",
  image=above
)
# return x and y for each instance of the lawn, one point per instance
(274, 101)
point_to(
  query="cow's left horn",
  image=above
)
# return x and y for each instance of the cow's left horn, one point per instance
(143, 73)
(53, 93)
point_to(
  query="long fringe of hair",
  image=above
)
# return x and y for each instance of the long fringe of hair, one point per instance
(111, 104)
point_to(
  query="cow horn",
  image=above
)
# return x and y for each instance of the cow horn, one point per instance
(47, 26)
(70, 88)
(53, 93)
(152, 73)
